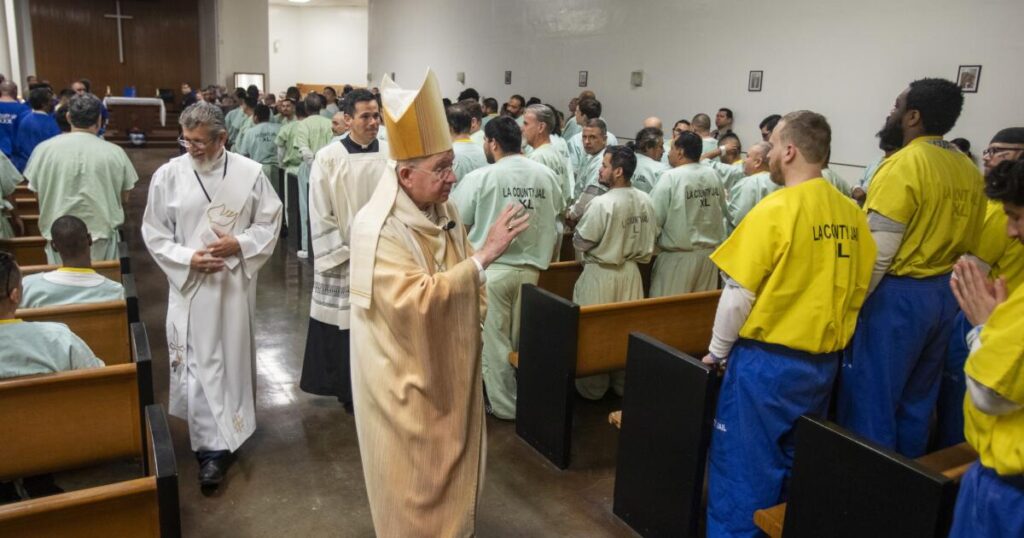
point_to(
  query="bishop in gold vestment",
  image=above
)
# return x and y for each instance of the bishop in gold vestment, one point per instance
(417, 305)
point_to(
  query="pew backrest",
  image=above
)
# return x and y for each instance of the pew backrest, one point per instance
(31, 222)
(845, 486)
(666, 429)
(69, 420)
(142, 507)
(26, 250)
(683, 322)
(560, 277)
(103, 326)
(560, 341)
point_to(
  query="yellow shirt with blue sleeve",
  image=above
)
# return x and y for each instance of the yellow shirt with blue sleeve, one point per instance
(806, 253)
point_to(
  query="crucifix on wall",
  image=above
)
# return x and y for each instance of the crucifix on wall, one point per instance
(118, 17)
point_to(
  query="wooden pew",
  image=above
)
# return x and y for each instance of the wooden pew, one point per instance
(560, 277)
(665, 432)
(142, 507)
(103, 326)
(31, 222)
(560, 341)
(26, 250)
(108, 268)
(845, 486)
(26, 205)
(74, 419)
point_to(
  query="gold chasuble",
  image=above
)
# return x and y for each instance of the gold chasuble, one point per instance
(417, 305)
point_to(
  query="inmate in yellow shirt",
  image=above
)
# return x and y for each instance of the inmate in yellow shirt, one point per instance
(999, 365)
(806, 253)
(938, 193)
(1004, 253)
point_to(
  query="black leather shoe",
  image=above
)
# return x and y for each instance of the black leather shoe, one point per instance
(211, 474)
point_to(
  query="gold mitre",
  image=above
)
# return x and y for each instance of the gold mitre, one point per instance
(415, 119)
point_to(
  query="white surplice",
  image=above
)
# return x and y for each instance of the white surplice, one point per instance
(210, 315)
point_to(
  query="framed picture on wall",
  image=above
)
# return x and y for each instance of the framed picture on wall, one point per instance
(584, 75)
(244, 80)
(508, 77)
(754, 81)
(968, 78)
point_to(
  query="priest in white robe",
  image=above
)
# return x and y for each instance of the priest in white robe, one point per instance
(212, 220)
(417, 303)
(343, 177)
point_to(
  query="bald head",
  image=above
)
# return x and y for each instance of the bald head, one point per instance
(587, 94)
(8, 89)
(653, 121)
(701, 124)
(757, 159)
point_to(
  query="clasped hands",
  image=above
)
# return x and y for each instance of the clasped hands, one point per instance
(211, 258)
(977, 294)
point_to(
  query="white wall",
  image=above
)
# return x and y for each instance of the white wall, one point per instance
(847, 60)
(242, 33)
(317, 45)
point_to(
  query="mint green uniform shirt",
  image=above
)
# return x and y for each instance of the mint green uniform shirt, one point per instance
(549, 156)
(710, 144)
(647, 172)
(623, 225)
(30, 348)
(258, 144)
(836, 181)
(571, 128)
(312, 133)
(468, 157)
(869, 172)
(231, 122)
(64, 287)
(291, 158)
(478, 137)
(83, 175)
(484, 193)
(587, 173)
(9, 180)
(728, 174)
(746, 194)
(689, 202)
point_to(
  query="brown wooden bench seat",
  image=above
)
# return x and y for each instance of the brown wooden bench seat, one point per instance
(31, 222)
(141, 507)
(103, 326)
(561, 341)
(26, 205)
(26, 250)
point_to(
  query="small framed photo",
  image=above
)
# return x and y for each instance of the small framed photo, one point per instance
(508, 77)
(968, 78)
(754, 81)
(584, 75)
